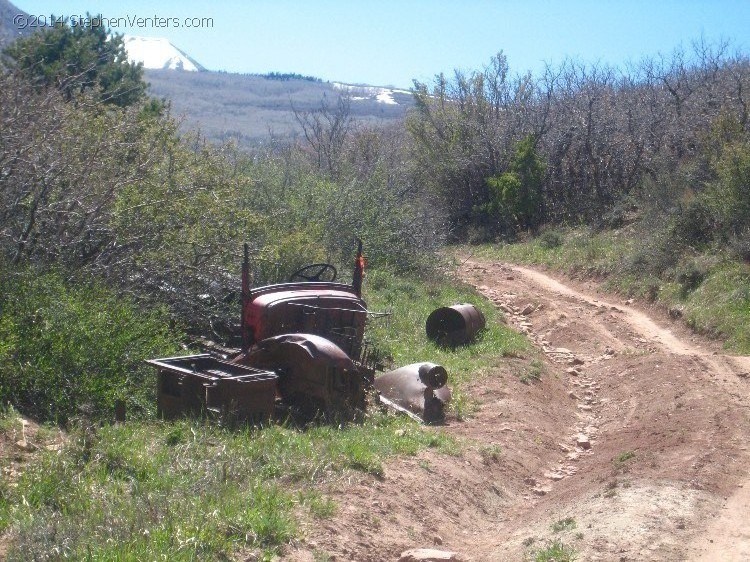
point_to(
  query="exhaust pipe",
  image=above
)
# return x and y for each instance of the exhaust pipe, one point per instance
(419, 388)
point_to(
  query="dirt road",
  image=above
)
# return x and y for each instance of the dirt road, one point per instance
(632, 445)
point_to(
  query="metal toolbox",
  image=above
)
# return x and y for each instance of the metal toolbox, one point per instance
(203, 384)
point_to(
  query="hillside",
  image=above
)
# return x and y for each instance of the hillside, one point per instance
(10, 29)
(248, 108)
(620, 436)
(242, 107)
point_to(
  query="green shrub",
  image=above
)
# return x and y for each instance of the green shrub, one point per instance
(551, 239)
(567, 524)
(516, 195)
(657, 255)
(694, 226)
(739, 245)
(66, 347)
(555, 551)
(729, 195)
(689, 277)
(691, 272)
(616, 216)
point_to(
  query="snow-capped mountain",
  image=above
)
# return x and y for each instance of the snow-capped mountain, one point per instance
(158, 53)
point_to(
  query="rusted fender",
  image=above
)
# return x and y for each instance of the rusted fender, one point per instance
(314, 374)
(419, 387)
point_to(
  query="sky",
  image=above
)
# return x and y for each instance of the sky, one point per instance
(391, 43)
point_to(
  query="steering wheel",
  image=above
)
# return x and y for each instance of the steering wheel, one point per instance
(317, 272)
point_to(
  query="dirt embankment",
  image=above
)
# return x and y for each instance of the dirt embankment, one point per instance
(635, 440)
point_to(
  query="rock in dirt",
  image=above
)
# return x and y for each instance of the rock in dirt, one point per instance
(26, 446)
(528, 309)
(428, 555)
(583, 441)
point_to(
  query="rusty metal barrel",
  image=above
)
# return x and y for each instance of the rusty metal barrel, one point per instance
(455, 325)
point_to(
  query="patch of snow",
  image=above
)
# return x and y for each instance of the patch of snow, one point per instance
(379, 94)
(386, 96)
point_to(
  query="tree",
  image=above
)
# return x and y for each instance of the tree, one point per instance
(517, 193)
(61, 168)
(79, 58)
(463, 132)
(326, 131)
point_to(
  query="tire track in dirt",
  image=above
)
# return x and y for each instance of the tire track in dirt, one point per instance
(623, 327)
(645, 326)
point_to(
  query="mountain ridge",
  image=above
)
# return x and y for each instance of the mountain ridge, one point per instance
(14, 23)
(251, 109)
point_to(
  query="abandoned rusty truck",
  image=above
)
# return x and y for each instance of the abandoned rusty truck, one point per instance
(303, 349)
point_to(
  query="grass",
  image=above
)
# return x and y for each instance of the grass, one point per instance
(189, 490)
(624, 457)
(401, 336)
(554, 551)
(491, 453)
(319, 506)
(579, 250)
(567, 524)
(9, 418)
(720, 305)
(533, 372)
(620, 461)
(709, 289)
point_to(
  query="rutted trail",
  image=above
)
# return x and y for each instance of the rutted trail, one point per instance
(637, 432)
(643, 324)
(719, 381)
